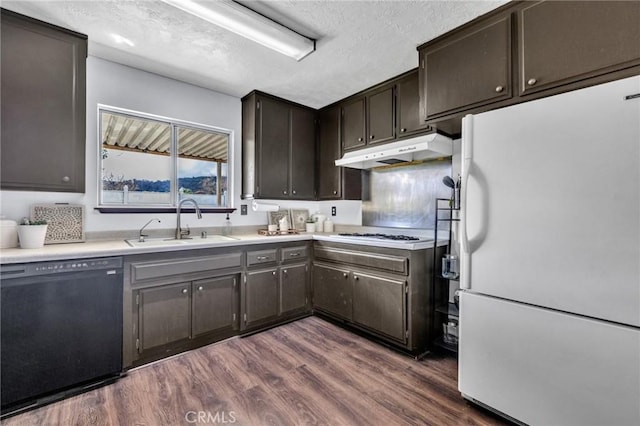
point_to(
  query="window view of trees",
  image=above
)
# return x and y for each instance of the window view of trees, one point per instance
(139, 168)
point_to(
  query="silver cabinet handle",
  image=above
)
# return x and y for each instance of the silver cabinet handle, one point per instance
(200, 288)
(262, 257)
(284, 271)
(335, 192)
(293, 192)
(371, 137)
(403, 130)
(66, 178)
(355, 277)
(359, 139)
(273, 273)
(296, 254)
(499, 89)
(184, 291)
(532, 81)
(344, 274)
(284, 192)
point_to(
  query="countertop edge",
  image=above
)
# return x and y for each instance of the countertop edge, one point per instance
(105, 248)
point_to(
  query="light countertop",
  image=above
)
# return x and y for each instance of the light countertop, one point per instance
(119, 247)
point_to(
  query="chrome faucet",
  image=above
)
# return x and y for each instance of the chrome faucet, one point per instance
(180, 234)
(141, 235)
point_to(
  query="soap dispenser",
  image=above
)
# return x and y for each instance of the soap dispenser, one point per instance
(227, 226)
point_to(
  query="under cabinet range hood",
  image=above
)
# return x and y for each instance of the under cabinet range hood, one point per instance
(422, 147)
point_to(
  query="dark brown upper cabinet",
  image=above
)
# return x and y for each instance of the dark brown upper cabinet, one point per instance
(303, 149)
(369, 119)
(566, 41)
(329, 176)
(467, 69)
(334, 183)
(526, 50)
(43, 106)
(278, 148)
(381, 116)
(383, 113)
(354, 124)
(407, 106)
(273, 148)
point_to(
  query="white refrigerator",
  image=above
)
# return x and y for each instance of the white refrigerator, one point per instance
(550, 258)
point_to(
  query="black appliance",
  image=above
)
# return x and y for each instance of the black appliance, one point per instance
(60, 329)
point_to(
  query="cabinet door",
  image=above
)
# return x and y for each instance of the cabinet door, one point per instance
(273, 151)
(566, 41)
(261, 297)
(43, 106)
(334, 182)
(164, 315)
(470, 70)
(380, 304)
(303, 153)
(353, 124)
(293, 289)
(381, 123)
(407, 106)
(214, 305)
(332, 290)
(329, 175)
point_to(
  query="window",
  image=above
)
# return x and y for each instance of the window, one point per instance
(150, 161)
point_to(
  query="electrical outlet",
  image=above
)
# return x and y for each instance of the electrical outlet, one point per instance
(243, 209)
(333, 210)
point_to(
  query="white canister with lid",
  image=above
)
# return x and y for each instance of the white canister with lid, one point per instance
(8, 234)
(319, 218)
(328, 226)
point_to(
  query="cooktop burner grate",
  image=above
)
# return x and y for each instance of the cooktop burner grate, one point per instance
(381, 236)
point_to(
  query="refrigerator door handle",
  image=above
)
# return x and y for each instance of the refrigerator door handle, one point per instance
(467, 156)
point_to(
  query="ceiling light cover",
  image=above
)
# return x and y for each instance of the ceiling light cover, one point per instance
(236, 18)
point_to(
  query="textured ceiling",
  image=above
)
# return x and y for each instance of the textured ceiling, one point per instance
(359, 43)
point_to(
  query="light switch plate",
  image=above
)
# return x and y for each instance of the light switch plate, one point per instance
(333, 210)
(243, 209)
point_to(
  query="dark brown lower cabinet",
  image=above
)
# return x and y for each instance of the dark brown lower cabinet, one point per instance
(380, 304)
(383, 291)
(275, 294)
(214, 305)
(261, 297)
(170, 314)
(177, 301)
(276, 285)
(375, 302)
(164, 315)
(332, 290)
(294, 289)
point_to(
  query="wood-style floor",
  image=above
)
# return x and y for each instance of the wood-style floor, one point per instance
(305, 372)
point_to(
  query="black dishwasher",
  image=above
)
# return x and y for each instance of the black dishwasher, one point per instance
(60, 329)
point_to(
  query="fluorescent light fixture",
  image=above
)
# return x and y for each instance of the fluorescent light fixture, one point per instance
(236, 18)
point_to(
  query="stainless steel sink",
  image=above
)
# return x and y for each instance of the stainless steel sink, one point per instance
(163, 241)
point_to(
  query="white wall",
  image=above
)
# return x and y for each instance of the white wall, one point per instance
(124, 87)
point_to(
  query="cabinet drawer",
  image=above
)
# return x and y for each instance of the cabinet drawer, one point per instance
(384, 262)
(161, 269)
(294, 253)
(261, 257)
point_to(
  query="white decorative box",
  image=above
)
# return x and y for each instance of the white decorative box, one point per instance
(66, 222)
